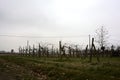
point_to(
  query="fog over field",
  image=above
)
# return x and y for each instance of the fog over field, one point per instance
(48, 21)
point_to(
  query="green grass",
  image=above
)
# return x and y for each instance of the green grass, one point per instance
(34, 68)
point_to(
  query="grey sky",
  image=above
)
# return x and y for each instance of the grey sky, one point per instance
(58, 18)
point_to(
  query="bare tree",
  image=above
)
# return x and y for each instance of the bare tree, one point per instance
(102, 36)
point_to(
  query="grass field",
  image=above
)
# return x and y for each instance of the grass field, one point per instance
(14, 67)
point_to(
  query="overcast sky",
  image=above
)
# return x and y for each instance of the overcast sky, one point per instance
(57, 18)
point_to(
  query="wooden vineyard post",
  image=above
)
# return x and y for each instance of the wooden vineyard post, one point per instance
(73, 52)
(29, 50)
(33, 51)
(98, 51)
(69, 51)
(57, 52)
(23, 51)
(47, 52)
(86, 51)
(52, 52)
(39, 51)
(60, 48)
(63, 51)
(76, 51)
(103, 51)
(93, 51)
(112, 51)
(26, 51)
(20, 50)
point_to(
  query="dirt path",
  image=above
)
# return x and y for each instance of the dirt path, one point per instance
(6, 76)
